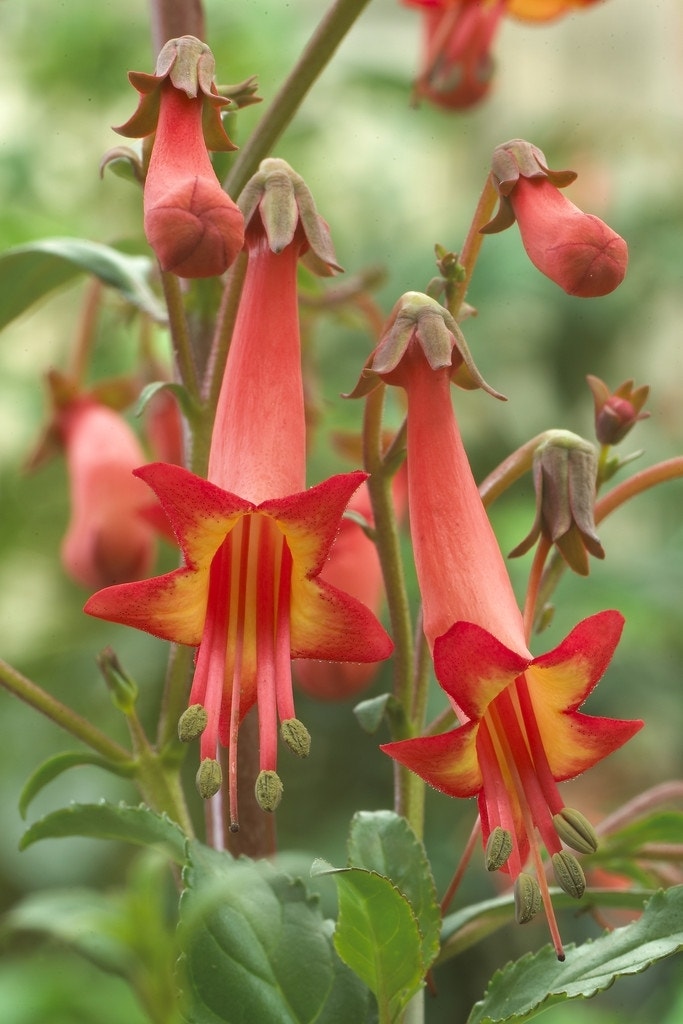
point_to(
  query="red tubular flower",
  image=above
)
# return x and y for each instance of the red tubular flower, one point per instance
(109, 539)
(520, 730)
(576, 250)
(194, 227)
(250, 595)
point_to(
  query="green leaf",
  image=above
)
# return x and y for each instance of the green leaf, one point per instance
(525, 988)
(110, 821)
(180, 393)
(371, 713)
(61, 763)
(29, 272)
(382, 841)
(471, 924)
(256, 948)
(660, 827)
(378, 937)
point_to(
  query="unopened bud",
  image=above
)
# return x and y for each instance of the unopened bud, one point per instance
(569, 874)
(528, 900)
(192, 723)
(297, 737)
(123, 689)
(498, 848)
(268, 790)
(575, 830)
(616, 412)
(209, 778)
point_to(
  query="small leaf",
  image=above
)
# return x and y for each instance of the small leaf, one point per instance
(61, 763)
(29, 272)
(382, 841)
(378, 937)
(256, 948)
(371, 713)
(109, 821)
(524, 989)
(180, 393)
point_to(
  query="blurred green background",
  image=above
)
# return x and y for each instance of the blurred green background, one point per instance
(598, 92)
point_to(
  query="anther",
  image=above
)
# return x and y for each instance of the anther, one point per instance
(498, 848)
(192, 723)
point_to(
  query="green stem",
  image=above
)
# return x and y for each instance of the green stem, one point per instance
(180, 335)
(472, 244)
(389, 551)
(316, 55)
(158, 782)
(511, 469)
(174, 700)
(60, 714)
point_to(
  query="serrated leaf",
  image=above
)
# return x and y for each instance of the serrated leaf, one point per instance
(29, 272)
(384, 842)
(256, 948)
(61, 763)
(137, 825)
(471, 924)
(538, 981)
(378, 937)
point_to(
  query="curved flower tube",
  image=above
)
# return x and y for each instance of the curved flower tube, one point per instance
(520, 730)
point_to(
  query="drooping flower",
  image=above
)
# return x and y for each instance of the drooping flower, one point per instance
(109, 538)
(576, 250)
(457, 66)
(565, 475)
(194, 227)
(520, 729)
(250, 595)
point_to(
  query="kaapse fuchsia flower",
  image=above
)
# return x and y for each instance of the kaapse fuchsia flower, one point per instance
(576, 250)
(520, 728)
(194, 227)
(110, 538)
(250, 595)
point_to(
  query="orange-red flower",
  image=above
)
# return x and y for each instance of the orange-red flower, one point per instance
(520, 729)
(576, 250)
(109, 538)
(457, 66)
(250, 594)
(194, 227)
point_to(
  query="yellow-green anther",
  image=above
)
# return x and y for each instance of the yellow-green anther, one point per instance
(268, 790)
(569, 874)
(498, 848)
(297, 737)
(192, 723)
(575, 830)
(528, 900)
(209, 778)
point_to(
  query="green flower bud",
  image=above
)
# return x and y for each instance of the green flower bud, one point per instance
(498, 848)
(192, 723)
(268, 790)
(297, 737)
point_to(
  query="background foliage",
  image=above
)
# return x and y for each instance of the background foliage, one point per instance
(598, 92)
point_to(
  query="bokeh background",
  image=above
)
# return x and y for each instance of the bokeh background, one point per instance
(599, 92)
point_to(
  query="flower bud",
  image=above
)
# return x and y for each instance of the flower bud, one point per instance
(576, 250)
(297, 737)
(209, 778)
(194, 227)
(565, 473)
(617, 412)
(268, 790)
(498, 848)
(569, 874)
(575, 830)
(192, 723)
(528, 900)
(123, 688)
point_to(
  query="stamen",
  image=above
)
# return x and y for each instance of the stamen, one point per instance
(240, 555)
(575, 830)
(261, 568)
